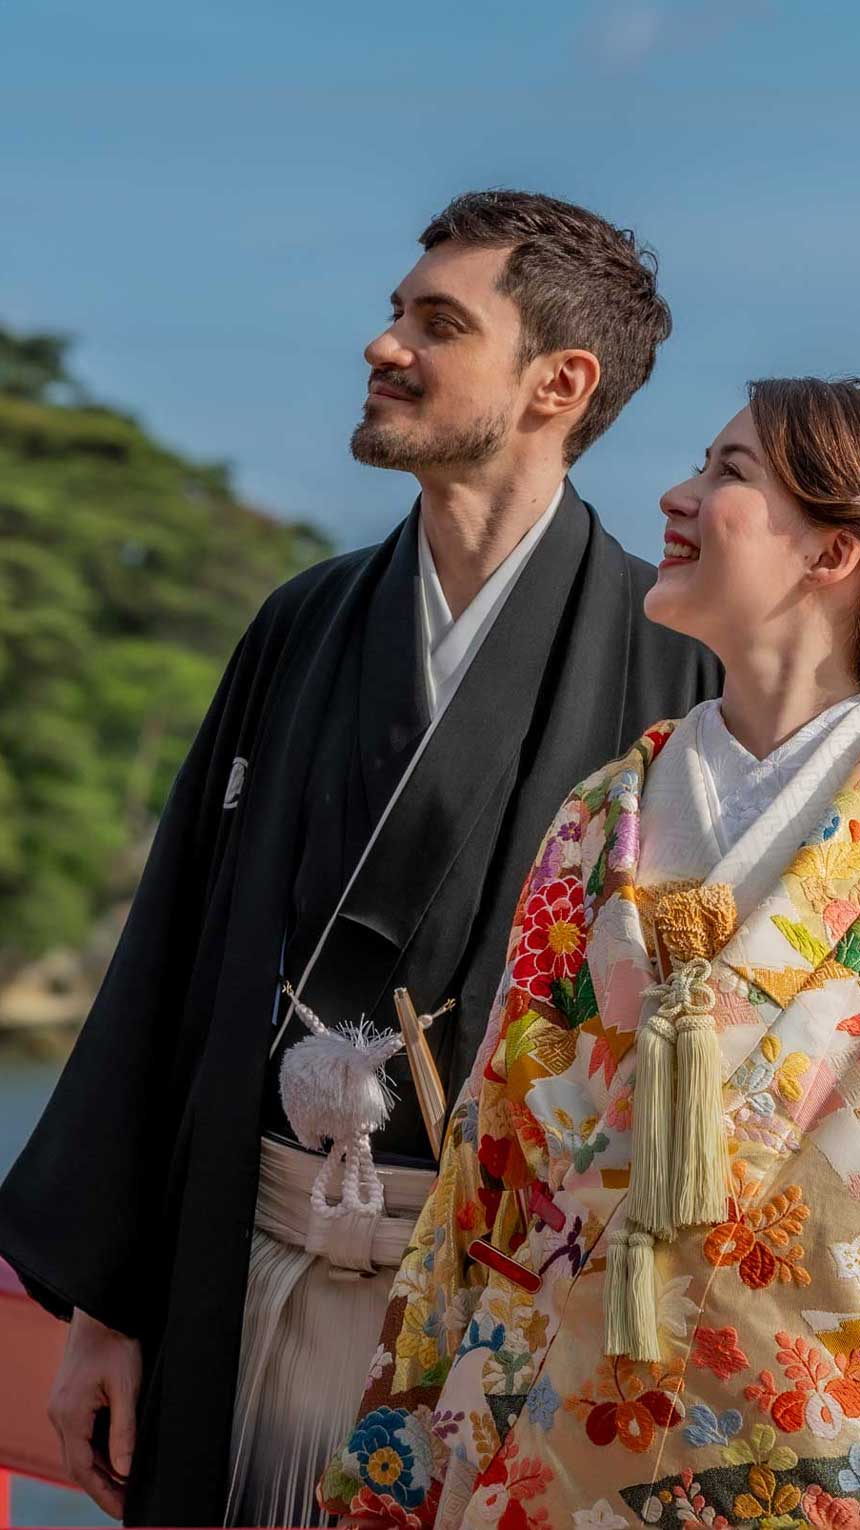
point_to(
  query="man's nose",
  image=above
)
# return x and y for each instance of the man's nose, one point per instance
(388, 350)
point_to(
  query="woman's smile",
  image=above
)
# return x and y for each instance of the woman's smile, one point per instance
(678, 549)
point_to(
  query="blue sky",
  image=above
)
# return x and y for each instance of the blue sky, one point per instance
(217, 199)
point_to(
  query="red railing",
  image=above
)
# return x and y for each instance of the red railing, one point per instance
(31, 1344)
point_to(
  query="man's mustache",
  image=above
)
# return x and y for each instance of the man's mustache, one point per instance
(397, 380)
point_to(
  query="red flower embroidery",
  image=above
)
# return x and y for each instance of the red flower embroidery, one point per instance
(717, 1350)
(490, 1201)
(516, 1482)
(552, 944)
(388, 1512)
(630, 1415)
(829, 1513)
(494, 1153)
(466, 1216)
(658, 737)
(602, 1057)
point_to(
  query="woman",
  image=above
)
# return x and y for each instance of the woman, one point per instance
(634, 1295)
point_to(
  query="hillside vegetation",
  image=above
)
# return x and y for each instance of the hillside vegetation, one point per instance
(127, 573)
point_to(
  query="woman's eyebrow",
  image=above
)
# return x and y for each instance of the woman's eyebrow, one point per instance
(734, 446)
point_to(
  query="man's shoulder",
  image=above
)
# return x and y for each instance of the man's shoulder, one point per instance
(642, 573)
(284, 603)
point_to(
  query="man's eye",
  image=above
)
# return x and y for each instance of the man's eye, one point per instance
(442, 322)
(697, 471)
(394, 316)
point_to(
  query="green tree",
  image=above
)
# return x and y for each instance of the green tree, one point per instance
(127, 573)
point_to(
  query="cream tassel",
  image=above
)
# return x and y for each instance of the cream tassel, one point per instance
(650, 1198)
(642, 1298)
(700, 1160)
(616, 1327)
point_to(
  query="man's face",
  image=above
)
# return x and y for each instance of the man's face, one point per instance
(444, 385)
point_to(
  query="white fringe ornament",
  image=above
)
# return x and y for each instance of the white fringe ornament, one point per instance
(642, 1298)
(616, 1330)
(650, 1199)
(333, 1088)
(679, 1159)
(701, 1161)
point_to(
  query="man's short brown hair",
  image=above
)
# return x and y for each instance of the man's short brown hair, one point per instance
(579, 283)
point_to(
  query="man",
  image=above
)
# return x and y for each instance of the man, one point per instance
(357, 813)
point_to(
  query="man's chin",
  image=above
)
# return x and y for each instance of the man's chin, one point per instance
(383, 448)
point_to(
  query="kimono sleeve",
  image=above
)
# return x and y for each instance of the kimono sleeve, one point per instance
(78, 1210)
(494, 1153)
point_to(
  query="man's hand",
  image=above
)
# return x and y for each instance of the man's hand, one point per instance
(100, 1369)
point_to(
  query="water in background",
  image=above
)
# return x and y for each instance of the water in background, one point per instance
(25, 1085)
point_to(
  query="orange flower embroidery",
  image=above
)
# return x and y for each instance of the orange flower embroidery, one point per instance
(823, 1389)
(718, 1350)
(633, 1410)
(758, 1238)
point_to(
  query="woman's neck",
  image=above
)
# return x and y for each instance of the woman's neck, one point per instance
(766, 698)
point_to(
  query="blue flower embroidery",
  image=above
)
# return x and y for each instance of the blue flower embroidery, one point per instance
(706, 1429)
(824, 830)
(492, 1337)
(469, 1122)
(754, 1080)
(430, 1256)
(434, 1323)
(849, 1477)
(542, 1402)
(392, 1455)
(626, 781)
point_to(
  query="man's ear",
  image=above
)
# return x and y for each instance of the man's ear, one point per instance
(567, 383)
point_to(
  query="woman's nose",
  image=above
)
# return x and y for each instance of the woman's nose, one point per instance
(681, 500)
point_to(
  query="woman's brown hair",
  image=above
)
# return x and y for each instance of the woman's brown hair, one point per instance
(810, 433)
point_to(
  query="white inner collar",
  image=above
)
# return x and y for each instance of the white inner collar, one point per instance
(449, 645)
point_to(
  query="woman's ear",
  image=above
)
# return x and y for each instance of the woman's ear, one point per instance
(838, 558)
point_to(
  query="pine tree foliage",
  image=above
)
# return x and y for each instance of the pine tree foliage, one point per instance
(127, 573)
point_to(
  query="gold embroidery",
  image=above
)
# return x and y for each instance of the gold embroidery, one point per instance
(698, 921)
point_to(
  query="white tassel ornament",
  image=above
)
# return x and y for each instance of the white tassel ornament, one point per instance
(650, 1198)
(333, 1088)
(616, 1333)
(642, 1298)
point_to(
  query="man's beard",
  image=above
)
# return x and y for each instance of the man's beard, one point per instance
(390, 446)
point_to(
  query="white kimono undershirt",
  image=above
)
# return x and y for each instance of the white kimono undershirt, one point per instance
(740, 786)
(449, 646)
(711, 811)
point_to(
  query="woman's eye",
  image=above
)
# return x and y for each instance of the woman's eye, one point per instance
(697, 471)
(731, 471)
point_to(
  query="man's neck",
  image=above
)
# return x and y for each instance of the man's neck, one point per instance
(473, 528)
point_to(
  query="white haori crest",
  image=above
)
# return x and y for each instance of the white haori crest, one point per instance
(236, 780)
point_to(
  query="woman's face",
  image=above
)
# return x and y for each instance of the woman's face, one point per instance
(738, 547)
